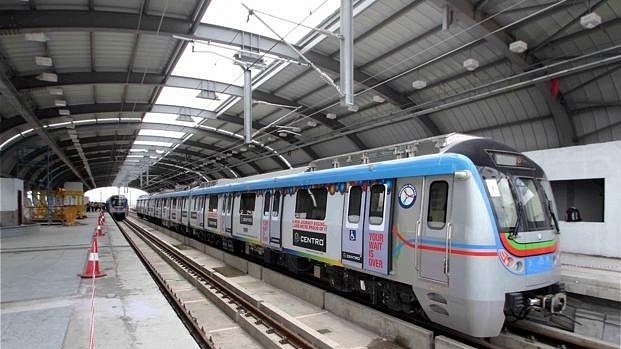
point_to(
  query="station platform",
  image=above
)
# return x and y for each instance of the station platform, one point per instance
(46, 305)
(593, 276)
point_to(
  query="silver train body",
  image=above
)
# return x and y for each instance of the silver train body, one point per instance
(459, 228)
(117, 206)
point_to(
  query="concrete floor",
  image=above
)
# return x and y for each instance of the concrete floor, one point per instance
(46, 305)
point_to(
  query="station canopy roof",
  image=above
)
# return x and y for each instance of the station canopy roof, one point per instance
(149, 93)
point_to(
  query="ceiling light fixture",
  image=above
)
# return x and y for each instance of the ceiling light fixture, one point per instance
(590, 20)
(378, 99)
(471, 64)
(282, 134)
(331, 116)
(60, 102)
(184, 118)
(419, 84)
(518, 46)
(43, 61)
(64, 112)
(39, 37)
(311, 123)
(55, 91)
(353, 108)
(208, 94)
(49, 77)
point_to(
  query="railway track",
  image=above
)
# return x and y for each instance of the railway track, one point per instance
(269, 329)
(280, 334)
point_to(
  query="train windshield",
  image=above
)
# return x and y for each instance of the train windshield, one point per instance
(531, 197)
(118, 201)
(520, 203)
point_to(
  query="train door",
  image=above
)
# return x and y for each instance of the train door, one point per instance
(212, 223)
(436, 228)
(271, 218)
(265, 218)
(376, 231)
(353, 223)
(228, 214)
(200, 214)
(183, 213)
(275, 220)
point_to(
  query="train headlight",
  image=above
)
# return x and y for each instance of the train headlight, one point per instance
(514, 264)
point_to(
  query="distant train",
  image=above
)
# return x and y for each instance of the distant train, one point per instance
(117, 206)
(456, 227)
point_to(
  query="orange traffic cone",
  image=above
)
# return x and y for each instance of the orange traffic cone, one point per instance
(99, 231)
(91, 269)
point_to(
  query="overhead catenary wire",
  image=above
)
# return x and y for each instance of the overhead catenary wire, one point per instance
(323, 75)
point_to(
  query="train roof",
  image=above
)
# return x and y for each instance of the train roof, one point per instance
(454, 152)
(424, 165)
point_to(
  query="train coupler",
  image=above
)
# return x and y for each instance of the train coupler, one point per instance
(552, 303)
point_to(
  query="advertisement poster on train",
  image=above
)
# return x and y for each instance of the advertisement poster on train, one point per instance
(376, 251)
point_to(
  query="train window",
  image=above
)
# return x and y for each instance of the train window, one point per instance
(436, 212)
(276, 206)
(311, 203)
(531, 199)
(266, 203)
(246, 203)
(502, 200)
(376, 208)
(353, 207)
(213, 204)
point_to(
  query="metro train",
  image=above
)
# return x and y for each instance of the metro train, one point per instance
(456, 228)
(117, 206)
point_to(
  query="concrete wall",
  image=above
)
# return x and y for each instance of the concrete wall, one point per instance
(599, 160)
(8, 200)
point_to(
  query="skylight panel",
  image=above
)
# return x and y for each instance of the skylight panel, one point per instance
(169, 119)
(230, 13)
(187, 98)
(161, 133)
(153, 143)
(138, 150)
(209, 62)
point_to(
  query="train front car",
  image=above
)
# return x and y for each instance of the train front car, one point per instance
(117, 207)
(518, 212)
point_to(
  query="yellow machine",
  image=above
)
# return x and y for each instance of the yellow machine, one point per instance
(60, 205)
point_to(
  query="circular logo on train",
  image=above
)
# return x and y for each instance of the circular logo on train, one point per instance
(407, 196)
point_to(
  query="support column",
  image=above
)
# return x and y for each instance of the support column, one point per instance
(247, 106)
(347, 53)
